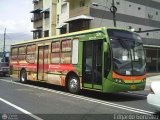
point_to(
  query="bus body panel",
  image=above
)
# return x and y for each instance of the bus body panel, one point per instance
(37, 61)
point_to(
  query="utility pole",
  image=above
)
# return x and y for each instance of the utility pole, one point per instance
(4, 51)
(113, 10)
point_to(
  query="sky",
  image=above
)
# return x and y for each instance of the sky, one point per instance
(15, 16)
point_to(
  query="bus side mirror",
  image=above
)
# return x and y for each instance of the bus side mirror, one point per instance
(105, 46)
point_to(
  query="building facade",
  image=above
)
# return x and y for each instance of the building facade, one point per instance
(62, 16)
(141, 15)
(44, 18)
(74, 15)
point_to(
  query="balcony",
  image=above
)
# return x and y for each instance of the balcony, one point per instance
(35, 1)
(37, 17)
(36, 11)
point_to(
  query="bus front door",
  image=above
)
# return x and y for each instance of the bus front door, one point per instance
(42, 63)
(92, 64)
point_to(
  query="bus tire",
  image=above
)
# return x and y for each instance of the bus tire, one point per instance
(73, 85)
(23, 76)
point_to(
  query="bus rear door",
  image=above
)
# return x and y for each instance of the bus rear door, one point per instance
(43, 52)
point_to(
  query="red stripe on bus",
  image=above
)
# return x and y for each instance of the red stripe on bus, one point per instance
(46, 66)
(25, 65)
(61, 67)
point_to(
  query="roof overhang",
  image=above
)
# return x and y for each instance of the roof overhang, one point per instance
(36, 30)
(36, 11)
(45, 11)
(80, 17)
(35, 1)
(61, 25)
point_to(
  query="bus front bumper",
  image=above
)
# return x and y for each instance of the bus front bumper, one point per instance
(110, 86)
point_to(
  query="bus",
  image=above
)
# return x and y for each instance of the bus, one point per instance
(100, 59)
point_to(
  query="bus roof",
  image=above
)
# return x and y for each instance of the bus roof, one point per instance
(66, 35)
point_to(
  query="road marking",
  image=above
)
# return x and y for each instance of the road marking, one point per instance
(87, 99)
(21, 109)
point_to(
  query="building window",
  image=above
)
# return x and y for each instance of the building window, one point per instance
(46, 33)
(156, 12)
(36, 17)
(147, 34)
(46, 14)
(130, 5)
(82, 3)
(37, 34)
(64, 8)
(140, 29)
(63, 29)
(57, 19)
(85, 25)
(152, 59)
(139, 8)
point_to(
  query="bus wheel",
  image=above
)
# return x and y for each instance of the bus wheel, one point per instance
(23, 76)
(74, 85)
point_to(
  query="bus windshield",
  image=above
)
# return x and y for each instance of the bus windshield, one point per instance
(128, 53)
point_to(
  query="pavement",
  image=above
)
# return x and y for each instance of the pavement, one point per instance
(152, 77)
(44, 101)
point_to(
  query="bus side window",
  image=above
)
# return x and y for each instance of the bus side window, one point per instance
(14, 54)
(75, 51)
(66, 46)
(107, 62)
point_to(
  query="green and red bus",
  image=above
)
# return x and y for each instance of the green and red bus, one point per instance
(101, 59)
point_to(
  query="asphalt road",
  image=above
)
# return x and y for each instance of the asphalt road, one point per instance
(44, 101)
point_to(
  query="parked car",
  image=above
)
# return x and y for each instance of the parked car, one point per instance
(153, 98)
(4, 68)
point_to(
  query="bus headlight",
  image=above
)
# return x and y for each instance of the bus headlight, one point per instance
(144, 80)
(117, 80)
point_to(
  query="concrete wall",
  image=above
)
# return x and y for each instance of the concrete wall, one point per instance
(137, 14)
(39, 23)
(63, 13)
(76, 9)
(46, 21)
(53, 17)
(39, 5)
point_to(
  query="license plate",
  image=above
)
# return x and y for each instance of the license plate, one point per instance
(133, 87)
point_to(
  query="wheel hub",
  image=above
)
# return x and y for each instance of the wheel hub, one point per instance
(73, 84)
(22, 78)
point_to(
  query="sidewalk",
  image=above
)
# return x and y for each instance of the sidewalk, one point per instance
(152, 74)
(152, 77)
